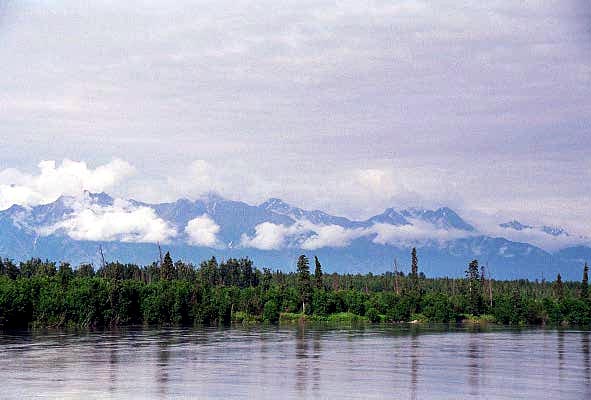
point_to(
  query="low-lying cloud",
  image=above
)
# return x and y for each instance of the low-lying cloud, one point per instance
(269, 236)
(120, 222)
(309, 236)
(379, 186)
(331, 236)
(539, 238)
(202, 231)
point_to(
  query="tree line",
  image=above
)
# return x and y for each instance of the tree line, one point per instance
(47, 294)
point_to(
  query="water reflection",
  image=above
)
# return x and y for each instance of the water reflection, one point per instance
(585, 352)
(316, 348)
(113, 359)
(474, 363)
(162, 364)
(414, 364)
(297, 362)
(560, 352)
(301, 354)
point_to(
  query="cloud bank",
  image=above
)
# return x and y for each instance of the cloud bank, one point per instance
(120, 222)
(374, 187)
(53, 180)
(308, 236)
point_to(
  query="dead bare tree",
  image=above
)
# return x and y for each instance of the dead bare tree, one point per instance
(335, 282)
(490, 293)
(396, 285)
(160, 254)
(103, 262)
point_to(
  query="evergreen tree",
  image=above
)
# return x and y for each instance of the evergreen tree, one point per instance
(415, 289)
(85, 270)
(184, 271)
(167, 268)
(267, 279)
(558, 287)
(474, 288)
(8, 269)
(209, 272)
(304, 282)
(414, 266)
(318, 274)
(65, 273)
(113, 271)
(585, 283)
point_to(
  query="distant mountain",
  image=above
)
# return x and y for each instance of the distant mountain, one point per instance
(443, 218)
(273, 234)
(278, 206)
(389, 216)
(550, 230)
(515, 225)
(554, 231)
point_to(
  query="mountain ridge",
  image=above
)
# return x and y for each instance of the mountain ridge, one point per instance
(272, 233)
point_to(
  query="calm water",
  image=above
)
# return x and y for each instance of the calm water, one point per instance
(297, 362)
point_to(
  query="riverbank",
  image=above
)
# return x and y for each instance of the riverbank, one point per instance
(38, 294)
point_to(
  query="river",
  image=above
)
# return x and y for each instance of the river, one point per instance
(316, 362)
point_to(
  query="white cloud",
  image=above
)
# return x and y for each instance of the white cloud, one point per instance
(419, 231)
(331, 236)
(309, 236)
(537, 237)
(202, 231)
(120, 222)
(269, 236)
(68, 178)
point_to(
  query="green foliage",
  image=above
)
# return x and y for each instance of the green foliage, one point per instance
(474, 294)
(585, 283)
(168, 271)
(318, 274)
(271, 311)
(345, 318)
(85, 271)
(438, 308)
(558, 287)
(373, 315)
(414, 284)
(304, 282)
(209, 272)
(9, 269)
(36, 293)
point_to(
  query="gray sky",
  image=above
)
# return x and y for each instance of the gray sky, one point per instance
(350, 107)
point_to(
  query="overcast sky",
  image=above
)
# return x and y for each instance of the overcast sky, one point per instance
(350, 107)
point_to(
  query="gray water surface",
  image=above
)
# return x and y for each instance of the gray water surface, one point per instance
(297, 362)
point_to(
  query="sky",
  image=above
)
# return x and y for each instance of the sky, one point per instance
(349, 106)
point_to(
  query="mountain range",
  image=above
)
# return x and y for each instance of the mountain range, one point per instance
(274, 234)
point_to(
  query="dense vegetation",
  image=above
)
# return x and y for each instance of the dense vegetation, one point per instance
(41, 293)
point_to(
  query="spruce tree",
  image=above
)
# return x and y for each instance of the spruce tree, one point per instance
(415, 290)
(9, 269)
(318, 274)
(267, 279)
(414, 268)
(209, 272)
(585, 283)
(304, 282)
(474, 288)
(517, 306)
(167, 268)
(558, 288)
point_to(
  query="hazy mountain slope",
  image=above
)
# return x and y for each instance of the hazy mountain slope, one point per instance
(446, 243)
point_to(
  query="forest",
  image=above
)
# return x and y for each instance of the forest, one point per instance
(37, 293)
